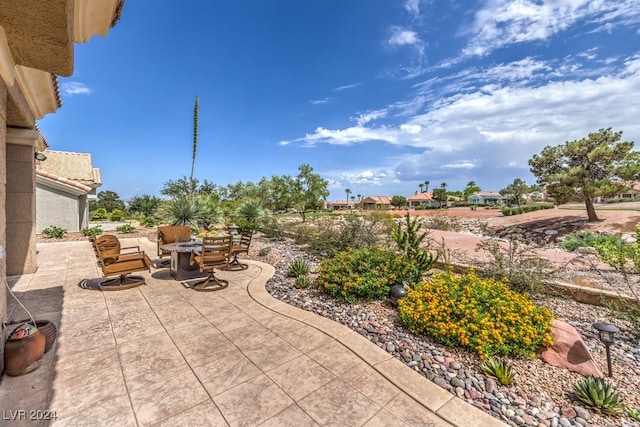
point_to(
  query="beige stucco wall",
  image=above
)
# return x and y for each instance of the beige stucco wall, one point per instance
(55, 207)
(20, 210)
(3, 240)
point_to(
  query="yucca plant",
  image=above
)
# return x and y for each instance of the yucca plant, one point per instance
(633, 413)
(303, 281)
(599, 394)
(498, 369)
(298, 267)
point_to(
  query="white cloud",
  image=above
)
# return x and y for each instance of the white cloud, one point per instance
(413, 7)
(403, 37)
(506, 22)
(346, 87)
(321, 101)
(493, 130)
(74, 88)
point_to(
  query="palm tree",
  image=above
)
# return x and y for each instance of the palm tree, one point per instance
(348, 191)
(426, 186)
(421, 185)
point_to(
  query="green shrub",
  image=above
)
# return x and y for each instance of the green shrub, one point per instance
(271, 228)
(297, 268)
(148, 221)
(482, 315)
(572, 241)
(409, 239)
(361, 273)
(598, 394)
(54, 231)
(125, 228)
(99, 214)
(303, 281)
(96, 230)
(116, 215)
(499, 369)
(264, 251)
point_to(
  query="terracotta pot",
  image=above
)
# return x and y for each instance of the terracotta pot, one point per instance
(49, 330)
(24, 355)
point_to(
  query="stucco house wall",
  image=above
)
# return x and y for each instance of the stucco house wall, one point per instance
(55, 207)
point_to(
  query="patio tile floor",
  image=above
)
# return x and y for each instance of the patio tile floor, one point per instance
(163, 355)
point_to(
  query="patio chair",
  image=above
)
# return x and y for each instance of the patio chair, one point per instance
(240, 247)
(215, 253)
(170, 234)
(115, 260)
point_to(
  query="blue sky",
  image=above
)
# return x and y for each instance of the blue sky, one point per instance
(376, 95)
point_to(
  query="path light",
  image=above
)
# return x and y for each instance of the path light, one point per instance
(606, 333)
(397, 292)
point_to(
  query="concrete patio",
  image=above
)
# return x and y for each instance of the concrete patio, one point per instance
(164, 355)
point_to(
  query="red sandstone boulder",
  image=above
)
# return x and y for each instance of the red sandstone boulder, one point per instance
(569, 351)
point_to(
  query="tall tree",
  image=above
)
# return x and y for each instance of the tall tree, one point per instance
(348, 191)
(426, 186)
(398, 201)
(470, 189)
(195, 138)
(421, 185)
(598, 165)
(310, 190)
(440, 194)
(516, 190)
(145, 204)
(108, 200)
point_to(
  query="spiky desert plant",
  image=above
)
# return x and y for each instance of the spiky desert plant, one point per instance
(298, 267)
(599, 394)
(498, 369)
(303, 281)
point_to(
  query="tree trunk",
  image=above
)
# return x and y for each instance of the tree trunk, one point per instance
(591, 210)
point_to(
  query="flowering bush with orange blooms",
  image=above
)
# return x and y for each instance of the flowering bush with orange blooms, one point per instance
(363, 273)
(482, 315)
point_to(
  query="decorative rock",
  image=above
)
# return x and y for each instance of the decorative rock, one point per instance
(569, 351)
(586, 250)
(582, 413)
(564, 422)
(567, 411)
(517, 420)
(457, 382)
(528, 419)
(441, 382)
(391, 347)
(490, 385)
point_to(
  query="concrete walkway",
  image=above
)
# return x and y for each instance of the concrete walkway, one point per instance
(164, 355)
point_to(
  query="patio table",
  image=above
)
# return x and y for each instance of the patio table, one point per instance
(180, 268)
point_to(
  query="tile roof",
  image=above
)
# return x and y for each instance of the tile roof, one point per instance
(382, 200)
(71, 166)
(63, 180)
(420, 196)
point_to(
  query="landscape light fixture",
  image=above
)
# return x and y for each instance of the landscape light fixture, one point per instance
(606, 333)
(39, 156)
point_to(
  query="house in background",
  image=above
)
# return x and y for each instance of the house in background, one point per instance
(339, 205)
(65, 182)
(422, 199)
(487, 198)
(376, 202)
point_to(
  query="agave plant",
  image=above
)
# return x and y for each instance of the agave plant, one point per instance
(598, 393)
(498, 369)
(303, 281)
(250, 213)
(298, 267)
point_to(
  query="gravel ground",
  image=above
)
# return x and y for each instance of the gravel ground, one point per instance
(540, 394)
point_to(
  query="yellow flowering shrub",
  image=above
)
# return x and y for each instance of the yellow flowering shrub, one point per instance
(482, 315)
